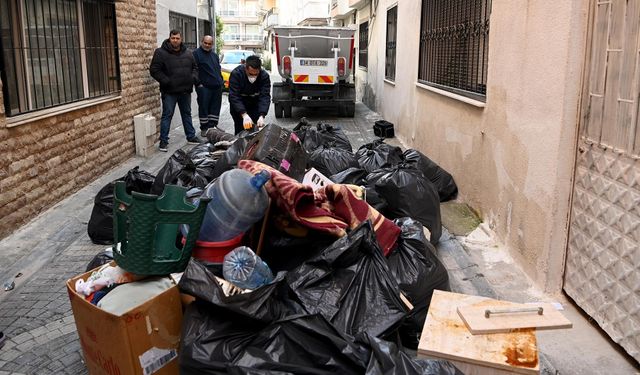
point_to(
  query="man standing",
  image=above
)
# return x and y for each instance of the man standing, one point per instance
(176, 71)
(249, 94)
(209, 90)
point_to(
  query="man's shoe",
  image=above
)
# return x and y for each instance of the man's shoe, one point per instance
(195, 140)
(164, 146)
(203, 132)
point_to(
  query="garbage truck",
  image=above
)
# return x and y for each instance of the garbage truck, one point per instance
(315, 64)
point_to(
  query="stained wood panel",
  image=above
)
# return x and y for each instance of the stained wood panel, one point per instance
(445, 336)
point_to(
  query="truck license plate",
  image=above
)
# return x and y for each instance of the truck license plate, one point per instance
(313, 62)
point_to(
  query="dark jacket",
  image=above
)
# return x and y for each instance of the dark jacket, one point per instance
(245, 96)
(208, 68)
(176, 71)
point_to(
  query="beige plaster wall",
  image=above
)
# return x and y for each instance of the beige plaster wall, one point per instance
(513, 159)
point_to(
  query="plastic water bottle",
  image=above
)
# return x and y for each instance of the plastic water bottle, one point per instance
(238, 200)
(243, 268)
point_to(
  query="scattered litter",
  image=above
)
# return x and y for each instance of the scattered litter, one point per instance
(9, 285)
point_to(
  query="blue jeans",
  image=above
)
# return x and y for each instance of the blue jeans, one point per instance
(209, 103)
(168, 107)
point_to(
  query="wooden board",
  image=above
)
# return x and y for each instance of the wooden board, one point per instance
(474, 317)
(445, 336)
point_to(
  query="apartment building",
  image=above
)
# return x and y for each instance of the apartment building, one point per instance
(242, 24)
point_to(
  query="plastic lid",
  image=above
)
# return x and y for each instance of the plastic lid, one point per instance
(260, 179)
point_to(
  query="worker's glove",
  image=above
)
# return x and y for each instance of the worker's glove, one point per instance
(260, 122)
(247, 122)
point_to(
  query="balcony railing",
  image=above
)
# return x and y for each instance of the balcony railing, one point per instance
(238, 13)
(242, 38)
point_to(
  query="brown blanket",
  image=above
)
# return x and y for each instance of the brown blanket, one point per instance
(332, 209)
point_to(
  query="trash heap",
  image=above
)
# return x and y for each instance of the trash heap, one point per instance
(279, 251)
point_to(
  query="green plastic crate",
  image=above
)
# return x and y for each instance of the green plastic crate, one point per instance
(145, 229)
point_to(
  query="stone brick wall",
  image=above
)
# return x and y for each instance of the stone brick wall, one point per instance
(46, 160)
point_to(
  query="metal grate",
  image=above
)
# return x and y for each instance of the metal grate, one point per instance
(392, 30)
(363, 43)
(187, 27)
(454, 44)
(52, 56)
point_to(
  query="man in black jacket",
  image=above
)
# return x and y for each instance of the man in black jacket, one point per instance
(209, 90)
(176, 71)
(249, 94)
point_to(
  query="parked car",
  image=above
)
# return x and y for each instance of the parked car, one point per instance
(230, 60)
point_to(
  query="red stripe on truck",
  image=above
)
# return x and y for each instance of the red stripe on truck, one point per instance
(350, 53)
(278, 50)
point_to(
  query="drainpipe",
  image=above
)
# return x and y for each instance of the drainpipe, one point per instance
(212, 18)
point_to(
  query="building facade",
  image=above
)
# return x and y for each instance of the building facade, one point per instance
(533, 108)
(191, 17)
(71, 84)
(242, 27)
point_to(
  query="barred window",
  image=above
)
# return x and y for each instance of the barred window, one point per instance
(187, 27)
(392, 30)
(454, 44)
(363, 43)
(56, 52)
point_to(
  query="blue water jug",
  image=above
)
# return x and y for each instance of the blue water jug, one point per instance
(238, 200)
(243, 268)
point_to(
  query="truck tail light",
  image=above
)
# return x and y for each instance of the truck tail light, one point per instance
(286, 65)
(341, 66)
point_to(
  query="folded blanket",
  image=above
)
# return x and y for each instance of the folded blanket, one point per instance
(331, 209)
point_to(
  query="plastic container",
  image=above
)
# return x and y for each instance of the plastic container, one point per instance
(214, 252)
(243, 268)
(238, 200)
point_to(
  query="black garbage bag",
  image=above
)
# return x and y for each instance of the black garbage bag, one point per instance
(353, 175)
(168, 174)
(387, 359)
(267, 303)
(103, 257)
(191, 176)
(205, 169)
(330, 160)
(100, 225)
(374, 199)
(200, 152)
(212, 337)
(419, 272)
(284, 252)
(350, 284)
(408, 193)
(306, 344)
(441, 179)
(312, 137)
(230, 158)
(309, 344)
(377, 154)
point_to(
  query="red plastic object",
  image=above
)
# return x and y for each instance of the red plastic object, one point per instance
(214, 252)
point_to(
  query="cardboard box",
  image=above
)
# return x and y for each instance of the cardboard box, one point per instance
(143, 341)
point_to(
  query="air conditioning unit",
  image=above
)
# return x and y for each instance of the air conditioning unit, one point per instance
(144, 126)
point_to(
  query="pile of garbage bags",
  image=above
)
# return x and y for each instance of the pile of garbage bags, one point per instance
(339, 311)
(346, 298)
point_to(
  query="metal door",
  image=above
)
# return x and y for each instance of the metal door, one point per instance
(602, 271)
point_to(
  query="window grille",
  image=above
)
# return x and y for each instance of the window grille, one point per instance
(390, 58)
(454, 44)
(187, 27)
(363, 43)
(204, 28)
(56, 52)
